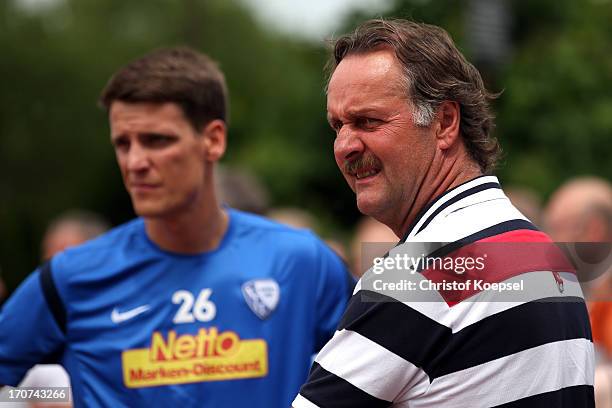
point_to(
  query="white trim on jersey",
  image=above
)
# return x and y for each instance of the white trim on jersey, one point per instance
(449, 196)
(461, 221)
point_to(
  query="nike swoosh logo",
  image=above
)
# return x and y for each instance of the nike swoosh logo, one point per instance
(119, 317)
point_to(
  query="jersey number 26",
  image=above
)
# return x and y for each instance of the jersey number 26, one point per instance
(202, 310)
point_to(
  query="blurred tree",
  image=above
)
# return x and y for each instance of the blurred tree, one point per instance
(54, 141)
(554, 117)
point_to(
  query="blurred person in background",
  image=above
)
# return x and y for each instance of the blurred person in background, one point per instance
(413, 140)
(241, 190)
(372, 239)
(294, 217)
(69, 229)
(302, 219)
(192, 303)
(527, 201)
(580, 210)
(603, 386)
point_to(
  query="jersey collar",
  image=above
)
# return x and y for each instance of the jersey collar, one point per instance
(455, 194)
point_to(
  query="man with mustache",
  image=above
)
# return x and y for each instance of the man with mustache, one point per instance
(193, 303)
(413, 140)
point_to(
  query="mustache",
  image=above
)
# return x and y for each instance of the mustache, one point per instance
(364, 162)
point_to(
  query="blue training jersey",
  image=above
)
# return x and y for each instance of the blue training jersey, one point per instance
(135, 325)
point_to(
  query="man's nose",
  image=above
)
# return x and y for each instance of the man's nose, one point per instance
(348, 145)
(137, 158)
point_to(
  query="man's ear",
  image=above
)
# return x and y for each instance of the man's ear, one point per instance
(214, 137)
(448, 119)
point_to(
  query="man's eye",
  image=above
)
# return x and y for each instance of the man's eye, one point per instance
(336, 125)
(121, 144)
(155, 140)
(367, 123)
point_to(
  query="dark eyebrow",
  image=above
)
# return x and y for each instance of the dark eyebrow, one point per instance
(156, 134)
(117, 136)
(355, 113)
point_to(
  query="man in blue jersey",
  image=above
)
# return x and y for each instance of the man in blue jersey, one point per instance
(192, 303)
(413, 140)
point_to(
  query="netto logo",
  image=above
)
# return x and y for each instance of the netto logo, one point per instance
(206, 343)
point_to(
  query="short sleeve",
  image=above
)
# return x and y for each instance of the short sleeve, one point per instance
(29, 333)
(373, 358)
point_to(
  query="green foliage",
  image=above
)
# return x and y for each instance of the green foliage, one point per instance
(554, 117)
(54, 141)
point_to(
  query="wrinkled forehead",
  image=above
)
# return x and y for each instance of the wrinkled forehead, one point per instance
(371, 75)
(365, 81)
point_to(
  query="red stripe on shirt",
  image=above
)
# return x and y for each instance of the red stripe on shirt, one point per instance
(502, 257)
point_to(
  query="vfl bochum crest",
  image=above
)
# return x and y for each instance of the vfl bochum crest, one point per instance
(262, 296)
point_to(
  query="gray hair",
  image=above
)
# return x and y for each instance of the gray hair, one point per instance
(435, 71)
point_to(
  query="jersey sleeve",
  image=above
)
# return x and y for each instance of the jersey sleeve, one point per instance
(333, 292)
(29, 333)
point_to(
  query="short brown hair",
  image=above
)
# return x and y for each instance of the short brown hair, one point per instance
(435, 71)
(180, 75)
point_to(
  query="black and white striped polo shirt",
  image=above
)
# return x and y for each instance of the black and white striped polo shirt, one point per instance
(532, 352)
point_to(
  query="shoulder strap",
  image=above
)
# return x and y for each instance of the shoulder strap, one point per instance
(52, 296)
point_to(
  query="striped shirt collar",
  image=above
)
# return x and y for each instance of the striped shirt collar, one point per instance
(455, 194)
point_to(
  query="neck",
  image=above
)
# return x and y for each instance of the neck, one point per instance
(451, 174)
(190, 232)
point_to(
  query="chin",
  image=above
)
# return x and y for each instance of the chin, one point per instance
(148, 211)
(146, 214)
(377, 207)
(368, 207)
